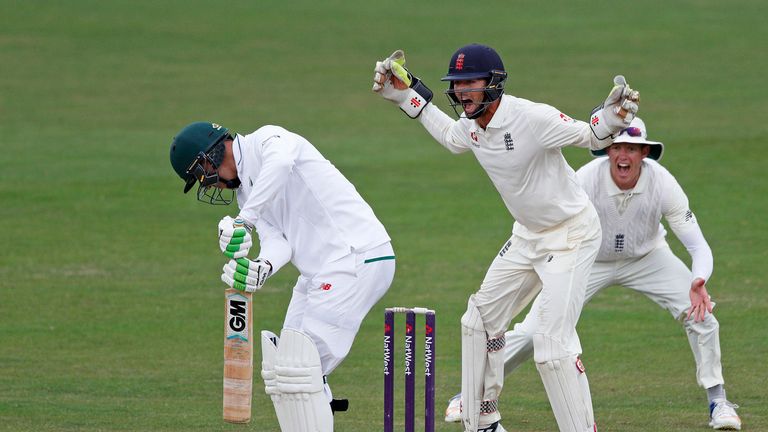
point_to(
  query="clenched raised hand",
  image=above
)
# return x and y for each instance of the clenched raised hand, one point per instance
(617, 111)
(393, 82)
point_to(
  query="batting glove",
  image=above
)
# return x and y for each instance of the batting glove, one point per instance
(246, 275)
(393, 82)
(617, 112)
(234, 237)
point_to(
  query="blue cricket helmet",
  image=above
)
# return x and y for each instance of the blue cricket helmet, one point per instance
(476, 61)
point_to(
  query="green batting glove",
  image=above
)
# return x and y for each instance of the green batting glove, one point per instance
(234, 237)
(246, 275)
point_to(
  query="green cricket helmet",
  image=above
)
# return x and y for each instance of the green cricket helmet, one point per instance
(197, 151)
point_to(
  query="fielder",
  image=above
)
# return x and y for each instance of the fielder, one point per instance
(631, 194)
(306, 212)
(556, 234)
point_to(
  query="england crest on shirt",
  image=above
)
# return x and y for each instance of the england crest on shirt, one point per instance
(509, 142)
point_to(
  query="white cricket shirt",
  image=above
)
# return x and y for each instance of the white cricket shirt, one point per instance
(631, 220)
(520, 149)
(303, 208)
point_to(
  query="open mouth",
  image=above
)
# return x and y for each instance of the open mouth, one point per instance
(623, 168)
(468, 105)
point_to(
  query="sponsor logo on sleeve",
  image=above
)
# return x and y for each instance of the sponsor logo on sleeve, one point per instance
(505, 248)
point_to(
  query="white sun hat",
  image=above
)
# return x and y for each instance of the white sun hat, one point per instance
(636, 133)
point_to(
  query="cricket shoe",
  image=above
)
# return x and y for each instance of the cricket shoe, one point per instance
(722, 415)
(453, 412)
(494, 427)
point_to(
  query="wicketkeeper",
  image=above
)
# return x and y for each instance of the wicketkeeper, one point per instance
(306, 212)
(556, 234)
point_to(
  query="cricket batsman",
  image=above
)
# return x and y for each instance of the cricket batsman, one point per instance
(304, 211)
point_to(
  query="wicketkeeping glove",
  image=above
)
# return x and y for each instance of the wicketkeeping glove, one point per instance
(234, 237)
(246, 275)
(617, 112)
(393, 81)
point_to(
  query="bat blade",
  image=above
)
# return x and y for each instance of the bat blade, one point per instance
(238, 356)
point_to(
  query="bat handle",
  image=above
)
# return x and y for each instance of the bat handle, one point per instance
(238, 222)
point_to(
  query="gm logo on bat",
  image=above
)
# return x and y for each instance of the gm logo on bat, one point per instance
(237, 317)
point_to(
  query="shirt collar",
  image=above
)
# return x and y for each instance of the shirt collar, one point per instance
(237, 152)
(501, 113)
(498, 117)
(642, 182)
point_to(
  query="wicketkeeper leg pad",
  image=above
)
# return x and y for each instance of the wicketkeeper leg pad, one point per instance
(519, 341)
(568, 392)
(301, 385)
(482, 371)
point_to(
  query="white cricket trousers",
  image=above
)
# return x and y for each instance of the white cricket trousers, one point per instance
(555, 264)
(663, 278)
(331, 305)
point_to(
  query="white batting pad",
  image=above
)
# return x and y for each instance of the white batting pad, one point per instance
(269, 343)
(482, 366)
(300, 383)
(568, 391)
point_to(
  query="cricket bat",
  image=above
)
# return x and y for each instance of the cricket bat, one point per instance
(238, 356)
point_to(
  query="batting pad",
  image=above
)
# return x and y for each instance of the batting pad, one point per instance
(568, 391)
(482, 376)
(299, 375)
(269, 343)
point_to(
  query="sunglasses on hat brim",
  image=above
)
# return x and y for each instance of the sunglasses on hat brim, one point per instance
(634, 132)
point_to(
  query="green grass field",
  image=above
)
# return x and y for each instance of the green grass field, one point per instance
(110, 300)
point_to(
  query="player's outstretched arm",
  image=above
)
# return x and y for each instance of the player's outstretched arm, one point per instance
(616, 112)
(393, 82)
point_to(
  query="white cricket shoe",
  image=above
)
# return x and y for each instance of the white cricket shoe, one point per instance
(453, 415)
(453, 412)
(722, 415)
